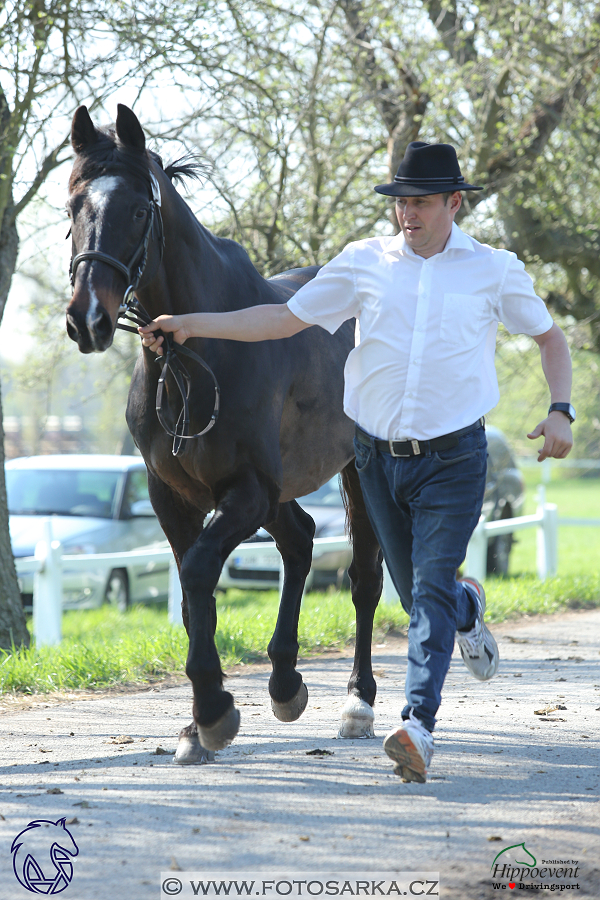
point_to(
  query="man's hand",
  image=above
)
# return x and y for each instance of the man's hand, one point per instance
(556, 430)
(174, 324)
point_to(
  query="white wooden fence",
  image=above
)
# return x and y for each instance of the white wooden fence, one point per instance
(48, 562)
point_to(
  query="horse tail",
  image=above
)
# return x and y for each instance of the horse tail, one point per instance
(352, 496)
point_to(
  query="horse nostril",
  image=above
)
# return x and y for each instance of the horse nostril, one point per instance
(72, 329)
(100, 328)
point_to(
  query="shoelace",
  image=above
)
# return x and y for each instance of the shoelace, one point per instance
(471, 641)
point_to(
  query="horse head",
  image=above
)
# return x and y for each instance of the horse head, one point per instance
(116, 226)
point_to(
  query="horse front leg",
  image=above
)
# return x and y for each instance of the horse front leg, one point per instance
(293, 531)
(182, 524)
(243, 506)
(366, 578)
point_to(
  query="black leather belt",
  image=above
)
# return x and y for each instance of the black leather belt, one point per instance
(417, 448)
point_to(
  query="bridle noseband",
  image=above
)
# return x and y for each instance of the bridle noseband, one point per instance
(133, 310)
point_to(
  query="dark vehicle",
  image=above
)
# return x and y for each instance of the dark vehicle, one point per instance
(504, 498)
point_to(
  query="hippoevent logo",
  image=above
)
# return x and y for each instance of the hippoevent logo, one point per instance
(521, 870)
(42, 855)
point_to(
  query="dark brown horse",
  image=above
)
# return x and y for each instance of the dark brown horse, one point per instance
(281, 432)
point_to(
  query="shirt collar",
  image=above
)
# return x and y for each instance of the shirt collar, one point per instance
(458, 240)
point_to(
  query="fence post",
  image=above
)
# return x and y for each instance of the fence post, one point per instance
(547, 542)
(175, 595)
(476, 560)
(47, 590)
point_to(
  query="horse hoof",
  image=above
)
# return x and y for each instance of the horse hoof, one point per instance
(190, 751)
(293, 709)
(221, 734)
(357, 719)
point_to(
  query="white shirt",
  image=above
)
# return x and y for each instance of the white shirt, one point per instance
(424, 365)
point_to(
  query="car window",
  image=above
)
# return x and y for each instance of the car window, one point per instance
(327, 495)
(43, 492)
(135, 489)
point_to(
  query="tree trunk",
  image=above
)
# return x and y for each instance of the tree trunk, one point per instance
(12, 618)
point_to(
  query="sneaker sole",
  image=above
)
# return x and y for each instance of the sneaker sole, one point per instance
(409, 764)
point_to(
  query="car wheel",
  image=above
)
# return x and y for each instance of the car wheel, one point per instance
(498, 554)
(117, 590)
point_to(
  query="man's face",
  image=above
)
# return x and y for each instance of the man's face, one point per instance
(426, 221)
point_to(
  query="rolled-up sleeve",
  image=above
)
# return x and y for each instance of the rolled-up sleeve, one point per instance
(331, 297)
(520, 309)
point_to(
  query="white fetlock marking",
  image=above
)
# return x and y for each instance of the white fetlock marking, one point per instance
(358, 719)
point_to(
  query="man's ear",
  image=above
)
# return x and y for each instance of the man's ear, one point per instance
(455, 202)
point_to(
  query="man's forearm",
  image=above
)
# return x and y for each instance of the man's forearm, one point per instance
(256, 323)
(556, 364)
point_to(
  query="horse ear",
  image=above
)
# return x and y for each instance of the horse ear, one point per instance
(129, 130)
(83, 132)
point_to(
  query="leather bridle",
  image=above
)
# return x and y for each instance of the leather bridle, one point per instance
(133, 310)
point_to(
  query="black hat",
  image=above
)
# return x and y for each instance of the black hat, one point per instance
(427, 169)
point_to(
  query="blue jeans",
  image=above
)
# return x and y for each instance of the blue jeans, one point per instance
(424, 510)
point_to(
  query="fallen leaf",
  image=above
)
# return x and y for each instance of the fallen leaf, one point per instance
(175, 867)
(304, 837)
(83, 804)
(495, 837)
(73, 821)
(318, 752)
(44, 751)
(548, 709)
(160, 751)
(54, 791)
(122, 739)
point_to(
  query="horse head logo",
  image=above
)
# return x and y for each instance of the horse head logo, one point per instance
(42, 857)
(519, 862)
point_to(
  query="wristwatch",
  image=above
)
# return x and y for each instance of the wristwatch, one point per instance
(565, 408)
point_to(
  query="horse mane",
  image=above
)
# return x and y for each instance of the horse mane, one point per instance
(108, 156)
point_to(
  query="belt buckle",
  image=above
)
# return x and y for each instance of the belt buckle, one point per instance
(399, 455)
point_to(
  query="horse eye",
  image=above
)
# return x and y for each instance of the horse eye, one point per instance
(140, 213)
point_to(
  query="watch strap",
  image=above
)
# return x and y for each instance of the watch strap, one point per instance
(565, 408)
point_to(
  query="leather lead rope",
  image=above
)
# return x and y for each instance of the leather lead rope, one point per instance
(170, 362)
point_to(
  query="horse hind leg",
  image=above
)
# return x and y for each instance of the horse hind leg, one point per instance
(366, 579)
(293, 531)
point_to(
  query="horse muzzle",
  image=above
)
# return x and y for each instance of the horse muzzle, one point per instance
(90, 326)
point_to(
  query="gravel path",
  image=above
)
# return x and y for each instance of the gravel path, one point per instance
(500, 776)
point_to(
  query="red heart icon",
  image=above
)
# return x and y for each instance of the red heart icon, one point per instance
(512, 884)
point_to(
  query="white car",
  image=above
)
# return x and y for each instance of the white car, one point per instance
(96, 504)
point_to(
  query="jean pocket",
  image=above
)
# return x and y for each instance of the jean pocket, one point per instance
(363, 455)
(468, 447)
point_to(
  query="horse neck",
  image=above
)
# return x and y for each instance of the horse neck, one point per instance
(199, 272)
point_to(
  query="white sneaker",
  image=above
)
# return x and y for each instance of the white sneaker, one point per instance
(478, 648)
(411, 748)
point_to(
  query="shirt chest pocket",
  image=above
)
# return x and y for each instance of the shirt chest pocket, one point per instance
(462, 316)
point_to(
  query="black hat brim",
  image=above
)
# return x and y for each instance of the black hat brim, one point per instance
(413, 190)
